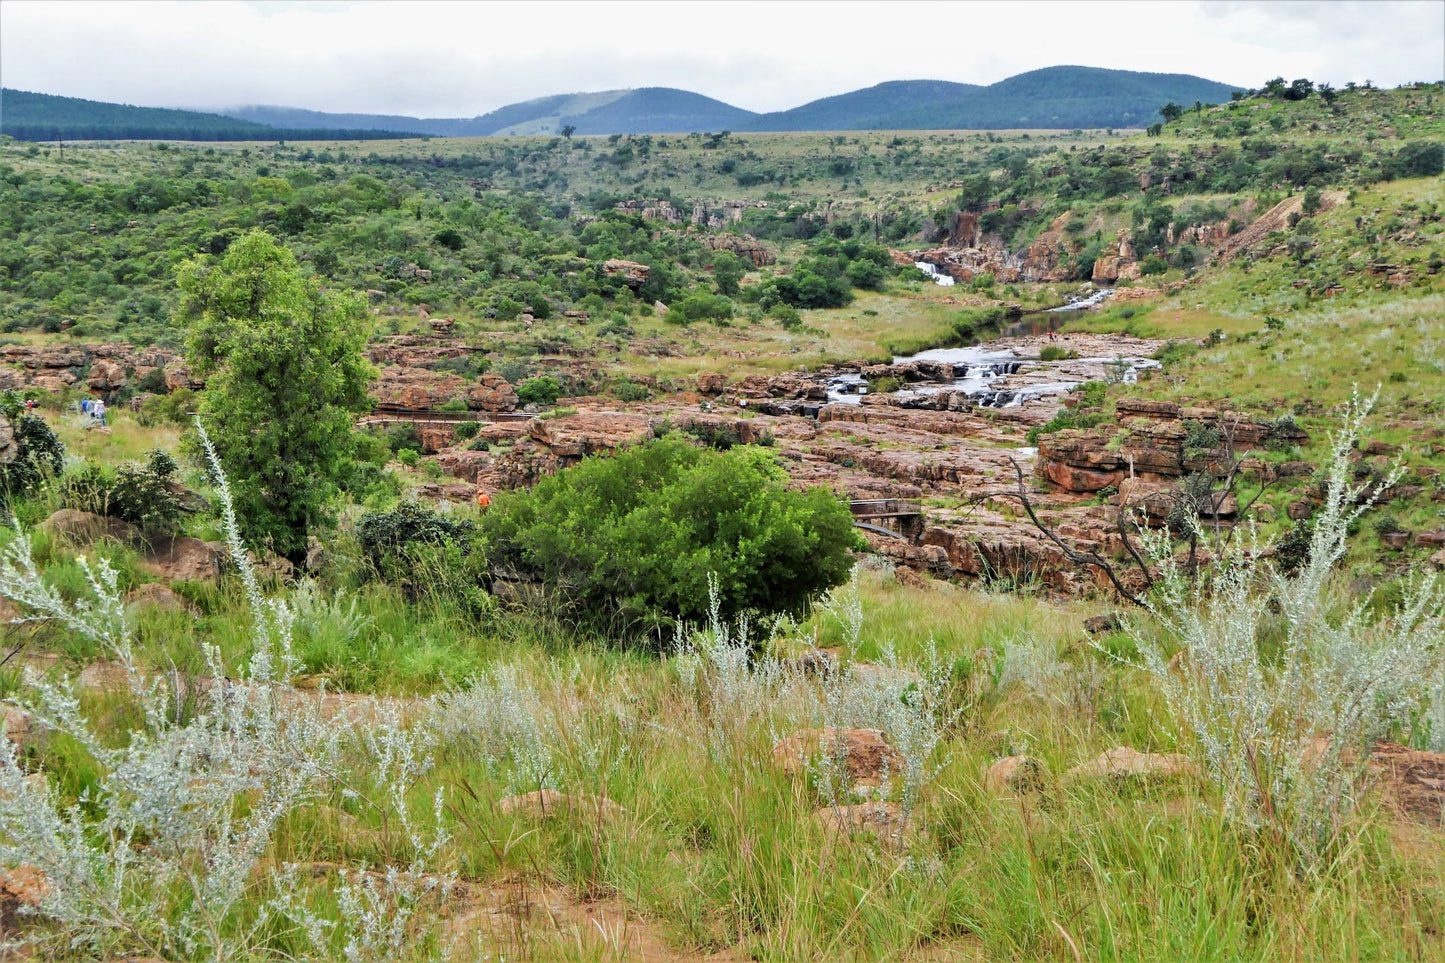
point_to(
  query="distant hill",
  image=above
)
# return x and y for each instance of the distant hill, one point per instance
(31, 116)
(659, 110)
(647, 110)
(1062, 97)
(1054, 97)
(869, 109)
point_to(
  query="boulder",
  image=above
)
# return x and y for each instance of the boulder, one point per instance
(546, 803)
(710, 383)
(106, 376)
(1100, 624)
(1413, 781)
(157, 596)
(1125, 763)
(883, 819)
(634, 275)
(8, 447)
(864, 753)
(85, 528)
(185, 559)
(19, 728)
(23, 886)
(1018, 774)
(493, 393)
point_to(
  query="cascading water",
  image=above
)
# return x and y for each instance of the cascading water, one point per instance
(939, 277)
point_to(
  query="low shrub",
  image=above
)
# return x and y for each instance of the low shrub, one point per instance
(140, 495)
(1055, 352)
(539, 391)
(385, 535)
(1066, 419)
(628, 390)
(633, 538)
(39, 454)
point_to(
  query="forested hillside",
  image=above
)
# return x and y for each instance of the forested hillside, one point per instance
(31, 116)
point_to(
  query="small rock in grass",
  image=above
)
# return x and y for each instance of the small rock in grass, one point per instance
(545, 803)
(1018, 774)
(157, 596)
(883, 819)
(1123, 762)
(864, 753)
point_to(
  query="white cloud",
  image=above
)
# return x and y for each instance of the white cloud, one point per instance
(461, 59)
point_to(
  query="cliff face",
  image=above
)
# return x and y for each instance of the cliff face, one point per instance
(968, 250)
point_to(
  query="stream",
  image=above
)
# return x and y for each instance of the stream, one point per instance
(978, 369)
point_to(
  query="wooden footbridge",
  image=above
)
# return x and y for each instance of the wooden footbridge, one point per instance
(900, 518)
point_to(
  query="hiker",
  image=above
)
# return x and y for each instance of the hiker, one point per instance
(97, 411)
(85, 406)
(483, 499)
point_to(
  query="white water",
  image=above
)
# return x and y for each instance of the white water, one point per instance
(1079, 304)
(939, 278)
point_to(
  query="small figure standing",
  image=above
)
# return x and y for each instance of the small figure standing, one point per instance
(483, 499)
(97, 411)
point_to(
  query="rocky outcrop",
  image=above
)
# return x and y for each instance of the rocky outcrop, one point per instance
(102, 368)
(185, 559)
(744, 246)
(1155, 446)
(1118, 262)
(634, 275)
(416, 389)
(492, 393)
(106, 376)
(574, 437)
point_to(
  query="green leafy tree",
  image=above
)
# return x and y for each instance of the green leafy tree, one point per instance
(728, 270)
(284, 377)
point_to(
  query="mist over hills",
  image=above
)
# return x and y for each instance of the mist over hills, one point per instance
(1053, 97)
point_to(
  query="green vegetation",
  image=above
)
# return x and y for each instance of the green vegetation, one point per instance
(641, 534)
(284, 379)
(261, 765)
(142, 495)
(29, 116)
(39, 454)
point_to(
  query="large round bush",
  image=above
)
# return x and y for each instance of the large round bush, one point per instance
(638, 533)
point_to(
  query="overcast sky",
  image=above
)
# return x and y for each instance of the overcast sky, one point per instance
(461, 59)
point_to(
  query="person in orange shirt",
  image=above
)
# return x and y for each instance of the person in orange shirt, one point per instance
(483, 499)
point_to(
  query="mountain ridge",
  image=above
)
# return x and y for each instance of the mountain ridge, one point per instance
(1060, 97)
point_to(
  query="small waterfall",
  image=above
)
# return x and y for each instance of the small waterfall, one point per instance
(939, 278)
